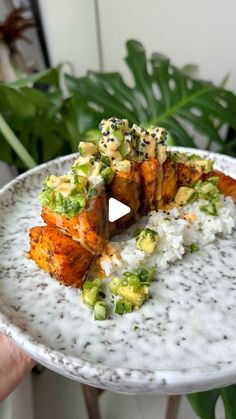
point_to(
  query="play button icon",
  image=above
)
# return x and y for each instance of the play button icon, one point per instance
(117, 209)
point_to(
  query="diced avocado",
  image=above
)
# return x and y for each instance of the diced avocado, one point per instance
(123, 166)
(113, 130)
(158, 133)
(69, 206)
(133, 287)
(129, 293)
(185, 195)
(107, 174)
(205, 165)
(97, 168)
(113, 124)
(125, 149)
(209, 209)
(193, 160)
(194, 248)
(206, 190)
(90, 292)
(118, 133)
(47, 198)
(87, 149)
(123, 307)
(161, 153)
(145, 275)
(81, 182)
(214, 180)
(147, 240)
(114, 284)
(131, 279)
(113, 155)
(52, 181)
(177, 156)
(100, 310)
(82, 169)
(193, 157)
(138, 132)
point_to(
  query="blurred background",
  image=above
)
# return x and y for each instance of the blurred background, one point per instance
(50, 113)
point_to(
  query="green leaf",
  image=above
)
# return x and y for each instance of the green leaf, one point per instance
(190, 70)
(161, 94)
(137, 62)
(228, 395)
(48, 123)
(50, 76)
(15, 144)
(204, 403)
(16, 102)
(78, 118)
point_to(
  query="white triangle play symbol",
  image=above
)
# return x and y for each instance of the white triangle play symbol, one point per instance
(117, 209)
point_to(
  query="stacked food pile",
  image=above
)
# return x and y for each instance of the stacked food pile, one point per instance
(133, 166)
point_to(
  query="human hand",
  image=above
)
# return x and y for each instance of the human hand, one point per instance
(14, 366)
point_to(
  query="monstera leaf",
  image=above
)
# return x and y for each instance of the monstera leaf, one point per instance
(204, 403)
(162, 95)
(37, 121)
(46, 114)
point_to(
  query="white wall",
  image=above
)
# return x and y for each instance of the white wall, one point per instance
(192, 31)
(70, 29)
(196, 31)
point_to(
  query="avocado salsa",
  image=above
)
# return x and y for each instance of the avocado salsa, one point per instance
(96, 164)
(95, 167)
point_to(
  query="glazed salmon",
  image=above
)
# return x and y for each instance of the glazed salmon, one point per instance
(187, 175)
(63, 258)
(149, 172)
(90, 227)
(169, 183)
(125, 187)
(226, 184)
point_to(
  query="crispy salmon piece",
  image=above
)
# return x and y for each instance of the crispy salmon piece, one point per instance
(63, 258)
(125, 187)
(169, 183)
(226, 184)
(148, 171)
(187, 175)
(90, 227)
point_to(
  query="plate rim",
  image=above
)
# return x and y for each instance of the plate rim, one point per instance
(166, 381)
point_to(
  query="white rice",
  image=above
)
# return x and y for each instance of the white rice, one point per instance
(175, 235)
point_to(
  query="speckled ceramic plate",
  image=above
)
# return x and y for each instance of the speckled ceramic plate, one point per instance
(183, 340)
